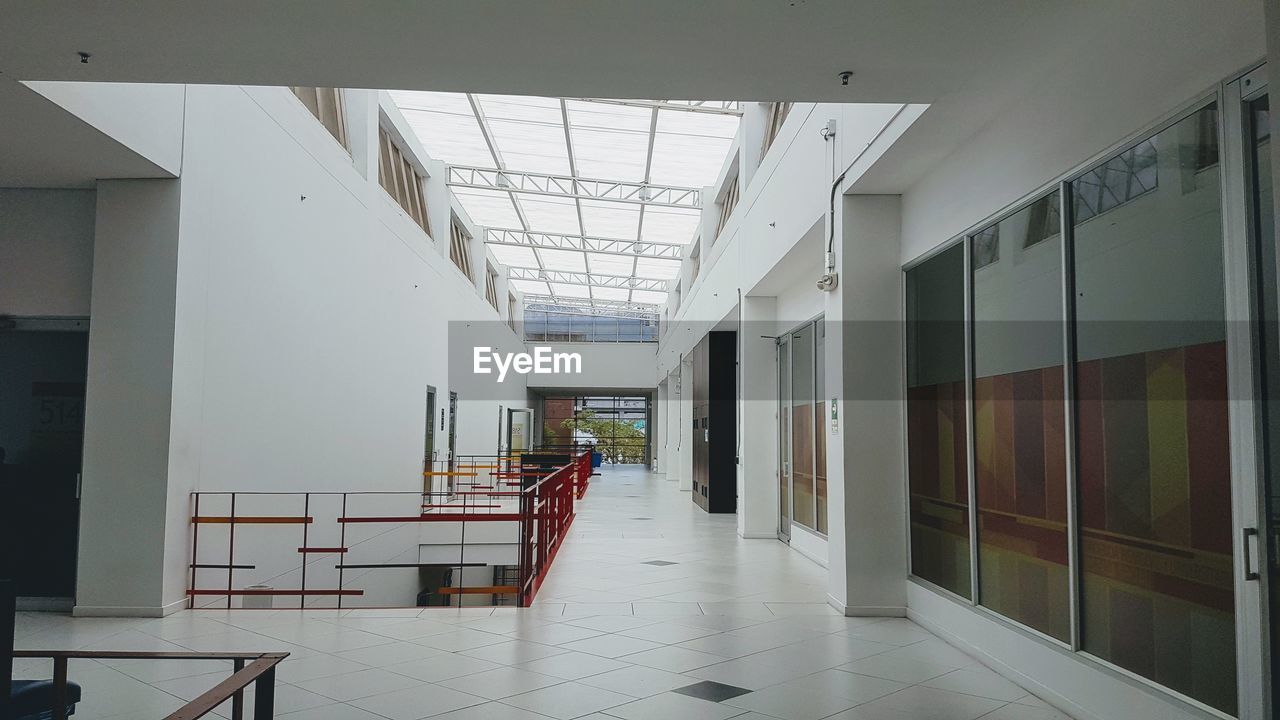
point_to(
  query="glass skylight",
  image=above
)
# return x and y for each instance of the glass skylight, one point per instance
(638, 141)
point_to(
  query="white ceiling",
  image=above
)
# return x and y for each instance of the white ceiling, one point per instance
(577, 138)
(43, 145)
(900, 51)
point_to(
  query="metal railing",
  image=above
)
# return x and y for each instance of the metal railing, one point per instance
(391, 549)
(261, 672)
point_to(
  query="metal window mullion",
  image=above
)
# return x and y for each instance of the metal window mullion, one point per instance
(1066, 212)
(970, 441)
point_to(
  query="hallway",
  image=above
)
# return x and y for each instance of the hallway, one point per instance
(653, 611)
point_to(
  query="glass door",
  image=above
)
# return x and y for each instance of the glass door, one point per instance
(1259, 139)
(803, 484)
(519, 430)
(784, 438)
(1250, 211)
(42, 393)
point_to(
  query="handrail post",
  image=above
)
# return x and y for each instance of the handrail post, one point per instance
(59, 688)
(237, 700)
(231, 550)
(264, 695)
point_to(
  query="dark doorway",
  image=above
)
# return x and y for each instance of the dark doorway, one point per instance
(42, 384)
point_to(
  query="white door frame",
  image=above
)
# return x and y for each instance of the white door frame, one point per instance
(1248, 484)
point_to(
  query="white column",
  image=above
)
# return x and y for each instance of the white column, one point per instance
(685, 432)
(658, 433)
(758, 420)
(865, 461)
(130, 559)
(673, 426)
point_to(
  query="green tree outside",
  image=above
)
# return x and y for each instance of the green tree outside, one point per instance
(618, 441)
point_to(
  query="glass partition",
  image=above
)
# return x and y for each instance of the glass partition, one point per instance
(937, 456)
(802, 479)
(784, 437)
(1153, 457)
(820, 425)
(1019, 422)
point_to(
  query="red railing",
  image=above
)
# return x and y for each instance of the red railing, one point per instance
(547, 507)
(258, 546)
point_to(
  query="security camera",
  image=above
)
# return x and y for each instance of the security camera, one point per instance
(844, 77)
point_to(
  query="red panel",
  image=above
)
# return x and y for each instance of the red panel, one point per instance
(1055, 446)
(1208, 447)
(1091, 446)
(1028, 422)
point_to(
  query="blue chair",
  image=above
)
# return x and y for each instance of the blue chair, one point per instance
(31, 699)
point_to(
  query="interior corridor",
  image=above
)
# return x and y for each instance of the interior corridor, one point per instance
(653, 611)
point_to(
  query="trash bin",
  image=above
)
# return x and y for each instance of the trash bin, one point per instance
(258, 602)
(597, 458)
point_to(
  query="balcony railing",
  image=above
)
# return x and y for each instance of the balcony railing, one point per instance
(260, 671)
(482, 527)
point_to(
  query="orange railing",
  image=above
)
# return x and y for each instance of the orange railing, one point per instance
(482, 526)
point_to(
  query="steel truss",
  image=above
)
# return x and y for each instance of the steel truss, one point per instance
(625, 282)
(557, 241)
(639, 193)
(712, 107)
(586, 306)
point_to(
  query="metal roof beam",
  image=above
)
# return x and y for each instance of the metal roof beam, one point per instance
(567, 186)
(712, 107)
(615, 308)
(587, 279)
(555, 241)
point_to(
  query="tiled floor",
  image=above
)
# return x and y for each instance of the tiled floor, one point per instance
(613, 634)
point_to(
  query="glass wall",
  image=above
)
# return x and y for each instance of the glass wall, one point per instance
(1136, 469)
(1020, 472)
(1154, 469)
(784, 437)
(802, 427)
(937, 460)
(820, 425)
(617, 426)
(556, 323)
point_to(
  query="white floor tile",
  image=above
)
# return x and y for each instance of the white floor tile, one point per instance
(610, 646)
(638, 681)
(573, 665)
(924, 703)
(669, 706)
(673, 659)
(790, 702)
(977, 681)
(421, 700)
(568, 700)
(441, 667)
(501, 682)
(514, 652)
(352, 686)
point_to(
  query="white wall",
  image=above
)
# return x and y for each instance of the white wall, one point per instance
(46, 252)
(758, 421)
(604, 366)
(270, 322)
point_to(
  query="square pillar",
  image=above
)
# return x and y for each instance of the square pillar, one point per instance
(865, 462)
